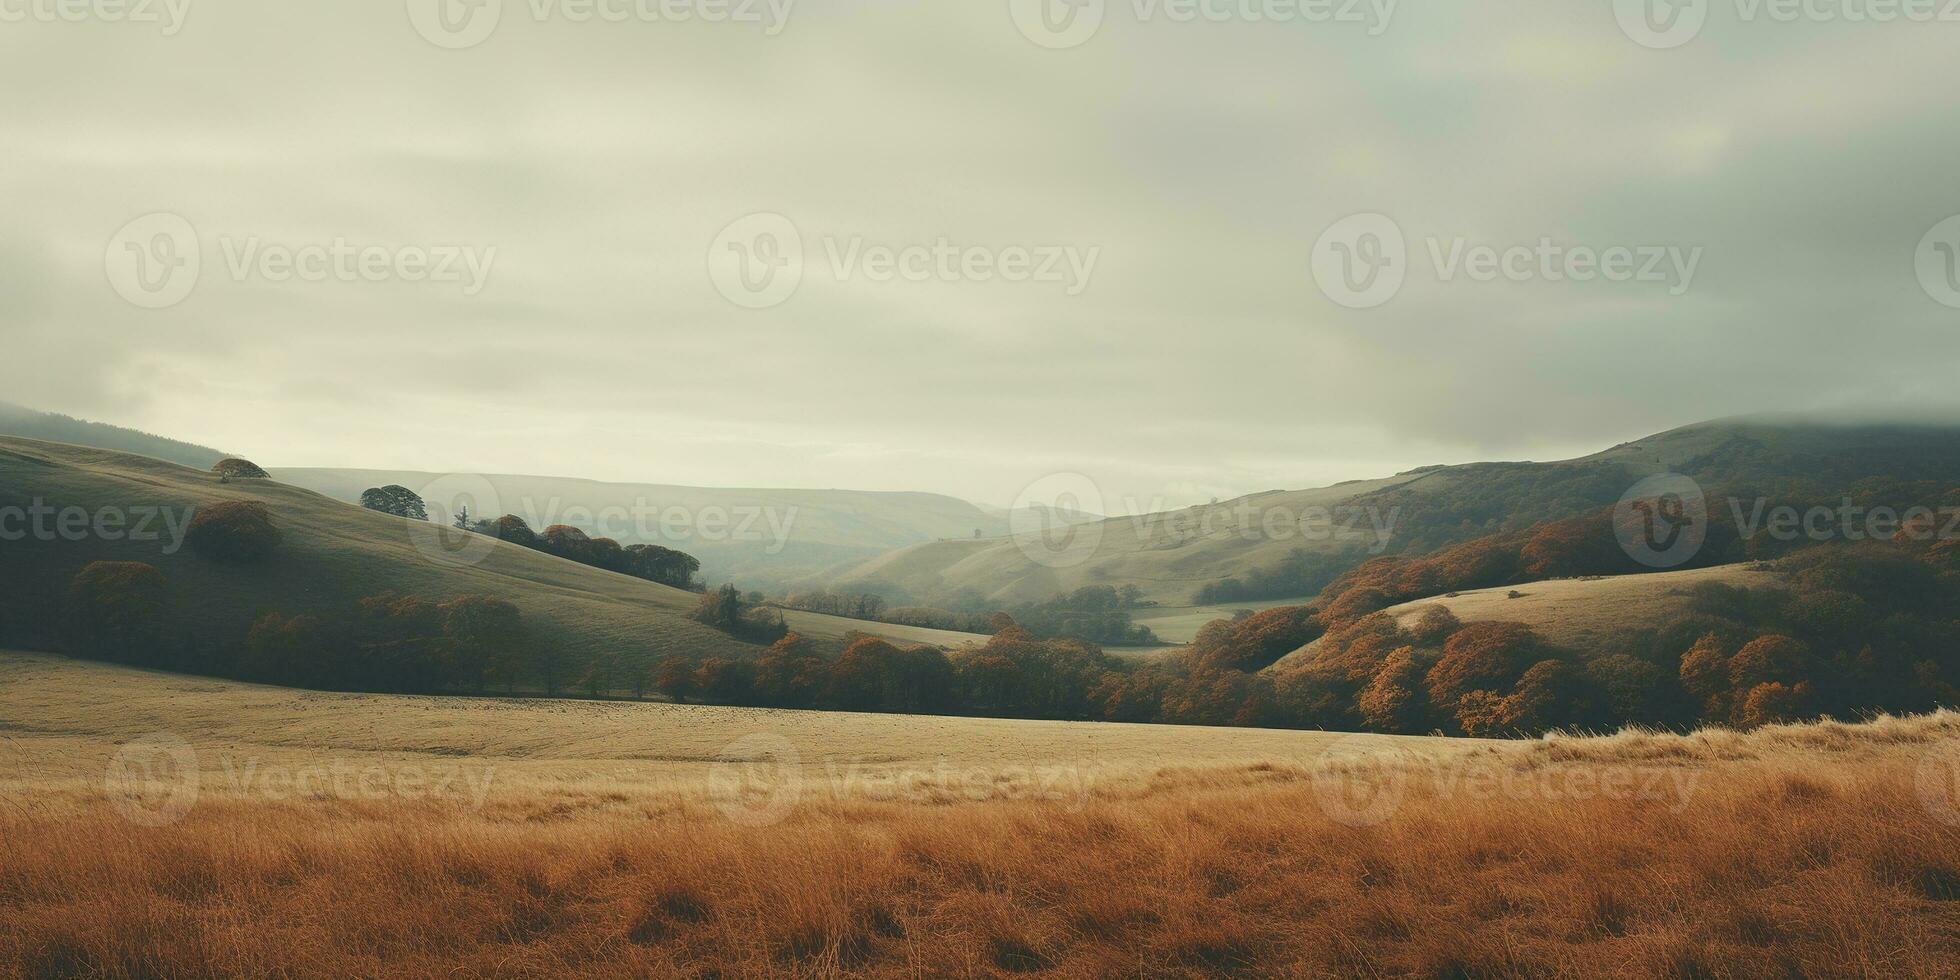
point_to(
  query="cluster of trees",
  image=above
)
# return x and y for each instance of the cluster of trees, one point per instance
(648, 561)
(726, 609)
(397, 643)
(1013, 675)
(1300, 573)
(1096, 614)
(127, 612)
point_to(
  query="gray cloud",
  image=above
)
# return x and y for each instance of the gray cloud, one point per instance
(1203, 160)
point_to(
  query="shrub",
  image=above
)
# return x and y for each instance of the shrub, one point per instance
(397, 500)
(1435, 626)
(234, 531)
(238, 469)
(119, 610)
(486, 640)
(512, 528)
(287, 650)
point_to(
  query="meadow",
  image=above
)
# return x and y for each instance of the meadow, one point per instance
(645, 839)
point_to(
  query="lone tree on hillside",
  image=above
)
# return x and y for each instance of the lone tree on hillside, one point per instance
(234, 531)
(397, 500)
(233, 468)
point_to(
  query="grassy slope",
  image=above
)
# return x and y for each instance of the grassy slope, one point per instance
(1588, 615)
(1169, 563)
(69, 715)
(823, 527)
(332, 555)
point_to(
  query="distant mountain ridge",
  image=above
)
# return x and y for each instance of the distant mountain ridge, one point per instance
(1173, 556)
(51, 427)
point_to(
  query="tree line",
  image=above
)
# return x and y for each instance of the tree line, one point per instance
(648, 561)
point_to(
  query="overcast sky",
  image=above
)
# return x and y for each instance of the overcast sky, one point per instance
(1188, 169)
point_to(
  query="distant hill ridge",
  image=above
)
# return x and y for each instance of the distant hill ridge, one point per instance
(51, 427)
(1174, 557)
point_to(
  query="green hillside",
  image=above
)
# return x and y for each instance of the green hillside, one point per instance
(332, 555)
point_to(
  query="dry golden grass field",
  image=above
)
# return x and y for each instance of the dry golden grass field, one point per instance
(156, 825)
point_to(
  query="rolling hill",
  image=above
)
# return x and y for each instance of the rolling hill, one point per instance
(757, 538)
(1170, 557)
(1590, 616)
(332, 554)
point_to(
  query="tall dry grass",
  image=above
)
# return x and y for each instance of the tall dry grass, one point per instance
(1802, 851)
